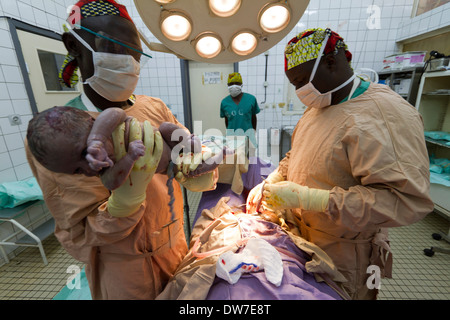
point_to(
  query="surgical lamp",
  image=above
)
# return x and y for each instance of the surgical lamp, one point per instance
(218, 31)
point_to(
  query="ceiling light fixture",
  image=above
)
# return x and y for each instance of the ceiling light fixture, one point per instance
(175, 26)
(224, 8)
(274, 17)
(219, 31)
(244, 43)
(165, 1)
(208, 45)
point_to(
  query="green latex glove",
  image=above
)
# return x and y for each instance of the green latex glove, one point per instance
(289, 195)
(127, 198)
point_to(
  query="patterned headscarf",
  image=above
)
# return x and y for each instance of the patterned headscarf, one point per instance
(306, 46)
(81, 10)
(234, 77)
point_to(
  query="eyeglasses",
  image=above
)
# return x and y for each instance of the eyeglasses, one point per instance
(107, 43)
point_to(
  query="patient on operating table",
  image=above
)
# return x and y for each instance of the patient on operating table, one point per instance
(238, 255)
(69, 140)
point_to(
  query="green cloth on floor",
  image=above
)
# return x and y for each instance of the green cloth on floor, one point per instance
(79, 292)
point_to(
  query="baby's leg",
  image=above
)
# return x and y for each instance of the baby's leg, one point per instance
(175, 135)
(172, 135)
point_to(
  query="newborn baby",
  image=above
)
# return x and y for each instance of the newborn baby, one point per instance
(68, 140)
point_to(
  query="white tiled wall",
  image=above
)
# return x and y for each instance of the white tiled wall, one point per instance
(13, 97)
(427, 22)
(13, 100)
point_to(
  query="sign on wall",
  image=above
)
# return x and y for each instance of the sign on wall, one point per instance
(214, 77)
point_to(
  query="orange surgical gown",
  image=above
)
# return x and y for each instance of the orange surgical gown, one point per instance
(370, 153)
(126, 258)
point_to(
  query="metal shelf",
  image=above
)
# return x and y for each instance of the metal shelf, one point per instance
(435, 111)
(393, 76)
(441, 143)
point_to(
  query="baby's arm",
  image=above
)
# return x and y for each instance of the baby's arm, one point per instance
(115, 176)
(101, 131)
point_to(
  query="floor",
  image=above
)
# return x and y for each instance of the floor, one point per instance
(415, 276)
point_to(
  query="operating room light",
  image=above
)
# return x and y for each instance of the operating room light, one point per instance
(208, 46)
(274, 18)
(224, 8)
(237, 30)
(176, 27)
(244, 43)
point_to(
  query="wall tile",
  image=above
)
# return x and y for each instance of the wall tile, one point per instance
(3, 22)
(25, 119)
(7, 175)
(12, 74)
(50, 8)
(26, 12)
(5, 39)
(37, 4)
(21, 106)
(6, 108)
(435, 20)
(445, 18)
(8, 57)
(5, 161)
(23, 171)
(13, 141)
(7, 128)
(10, 8)
(18, 156)
(2, 145)
(41, 18)
(17, 90)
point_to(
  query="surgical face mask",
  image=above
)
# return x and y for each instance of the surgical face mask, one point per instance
(235, 90)
(309, 95)
(115, 75)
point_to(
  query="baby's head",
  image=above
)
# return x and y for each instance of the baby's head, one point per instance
(57, 139)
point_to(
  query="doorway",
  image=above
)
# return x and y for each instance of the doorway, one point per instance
(208, 86)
